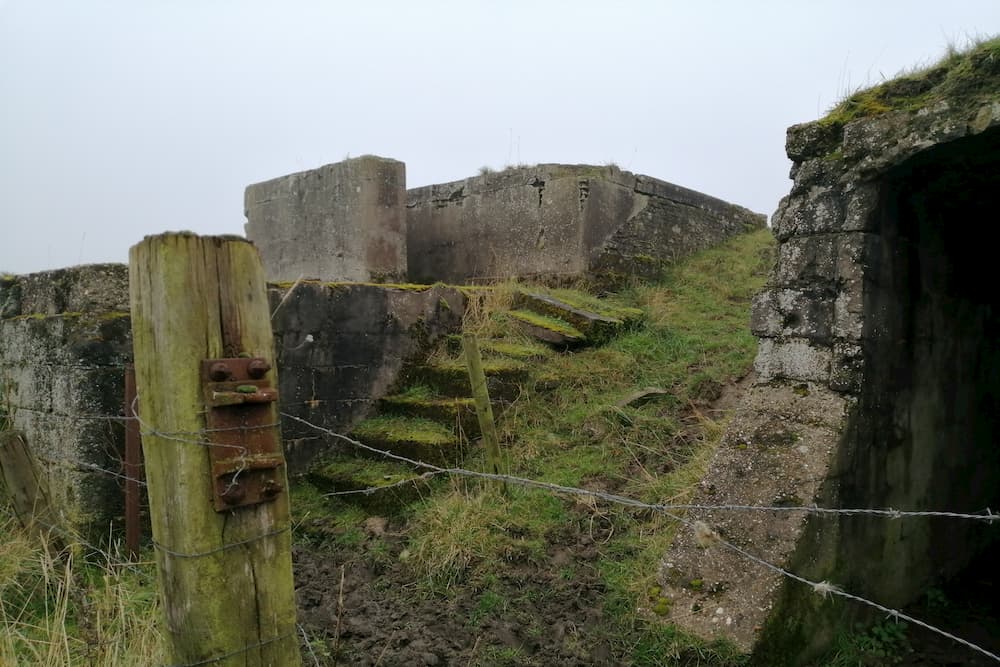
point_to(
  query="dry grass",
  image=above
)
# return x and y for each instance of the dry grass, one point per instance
(61, 608)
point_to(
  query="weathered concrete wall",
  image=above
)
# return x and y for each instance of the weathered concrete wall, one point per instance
(343, 221)
(561, 221)
(66, 338)
(877, 375)
(340, 347)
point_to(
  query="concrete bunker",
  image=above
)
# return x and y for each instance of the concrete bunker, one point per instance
(878, 377)
(923, 435)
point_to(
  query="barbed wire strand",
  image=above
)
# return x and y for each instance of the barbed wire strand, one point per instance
(825, 588)
(224, 547)
(988, 516)
(374, 489)
(245, 649)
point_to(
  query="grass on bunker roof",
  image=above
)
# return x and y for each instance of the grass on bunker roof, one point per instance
(962, 74)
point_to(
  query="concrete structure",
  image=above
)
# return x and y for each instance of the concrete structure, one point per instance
(341, 347)
(66, 338)
(343, 221)
(346, 221)
(878, 372)
(554, 220)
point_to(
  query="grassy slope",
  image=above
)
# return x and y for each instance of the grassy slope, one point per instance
(569, 431)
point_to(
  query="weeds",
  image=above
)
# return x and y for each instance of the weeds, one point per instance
(883, 644)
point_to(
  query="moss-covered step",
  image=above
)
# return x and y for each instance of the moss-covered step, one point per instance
(420, 401)
(551, 330)
(450, 377)
(598, 321)
(384, 486)
(419, 439)
(502, 347)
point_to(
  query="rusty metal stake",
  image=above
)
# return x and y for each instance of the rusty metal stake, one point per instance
(133, 465)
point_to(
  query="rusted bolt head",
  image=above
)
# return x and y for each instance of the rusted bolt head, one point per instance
(271, 488)
(257, 367)
(234, 494)
(219, 371)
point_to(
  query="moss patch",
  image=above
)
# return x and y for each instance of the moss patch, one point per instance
(414, 438)
(964, 76)
(553, 324)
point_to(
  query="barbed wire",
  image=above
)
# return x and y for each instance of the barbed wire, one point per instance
(72, 416)
(71, 463)
(988, 516)
(826, 589)
(239, 651)
(76, 538)
(224, 547)
(374, 489)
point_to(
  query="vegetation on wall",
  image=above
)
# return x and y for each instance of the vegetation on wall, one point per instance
(961, 75)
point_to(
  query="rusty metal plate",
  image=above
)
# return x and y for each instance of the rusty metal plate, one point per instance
(245, 450)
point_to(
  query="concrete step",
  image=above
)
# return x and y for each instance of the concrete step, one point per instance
(393, 485)
(450, 377)
(501, 347)
(419, 439)
(552, 330)
(447, 411)
(598, 322)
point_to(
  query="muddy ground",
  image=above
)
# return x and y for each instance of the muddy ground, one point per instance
(530, 615)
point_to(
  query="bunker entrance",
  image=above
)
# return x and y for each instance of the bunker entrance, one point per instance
(924, 435)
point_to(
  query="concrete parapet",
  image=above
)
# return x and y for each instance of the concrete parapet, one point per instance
(343, 221)
(553, 220)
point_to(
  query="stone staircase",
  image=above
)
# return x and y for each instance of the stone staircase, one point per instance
(432, 417)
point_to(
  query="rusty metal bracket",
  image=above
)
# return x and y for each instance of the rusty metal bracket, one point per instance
(245, 451)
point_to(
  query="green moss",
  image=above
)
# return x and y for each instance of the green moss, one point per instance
(520, 351)
(588, 302)
(404, 429)
(965, 76)
(545, 322)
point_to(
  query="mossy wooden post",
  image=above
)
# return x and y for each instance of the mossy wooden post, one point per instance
(26, 488)
(225, 577)
(481, 396)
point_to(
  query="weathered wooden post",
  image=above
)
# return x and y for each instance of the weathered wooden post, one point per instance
(27, 489)
(481, 396)
(216, 476)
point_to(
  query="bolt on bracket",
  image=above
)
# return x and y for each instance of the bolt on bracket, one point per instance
(244, 447)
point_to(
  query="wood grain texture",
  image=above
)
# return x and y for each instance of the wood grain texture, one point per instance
(196, 298)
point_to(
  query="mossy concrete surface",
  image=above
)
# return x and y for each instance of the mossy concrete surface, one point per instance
(877, 307)
(66, 338)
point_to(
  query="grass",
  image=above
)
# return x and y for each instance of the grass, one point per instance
(64, 607)
(966, 74)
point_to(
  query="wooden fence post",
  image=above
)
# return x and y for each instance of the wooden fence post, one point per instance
(481, 396)
(225, 573)
(26, 488)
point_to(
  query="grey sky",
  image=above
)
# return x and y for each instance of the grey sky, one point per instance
(121, 119)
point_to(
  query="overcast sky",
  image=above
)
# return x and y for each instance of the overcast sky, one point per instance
(122, 119)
